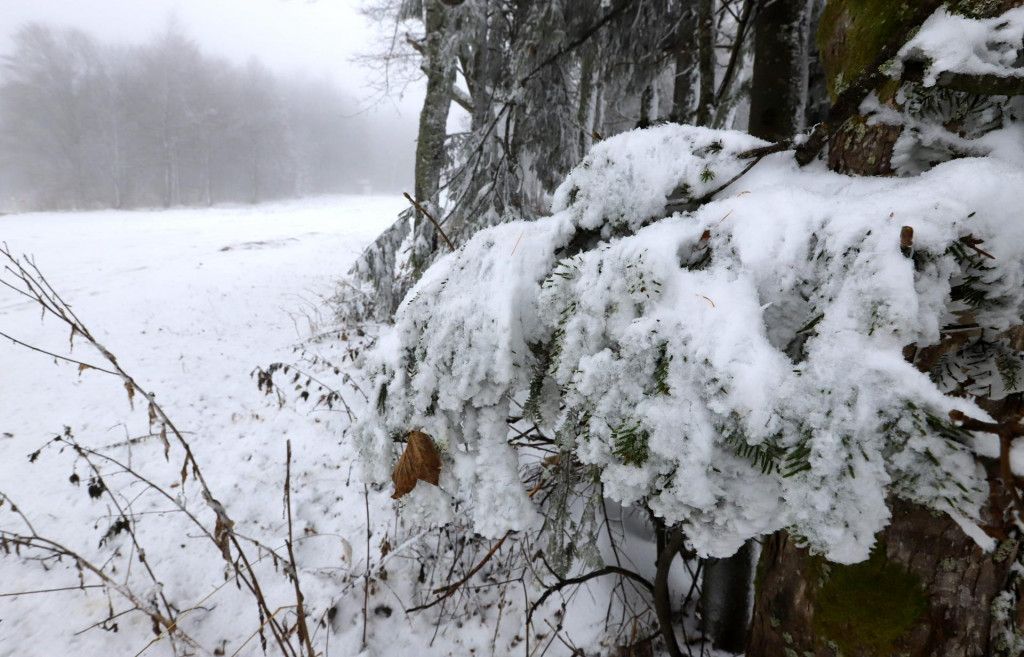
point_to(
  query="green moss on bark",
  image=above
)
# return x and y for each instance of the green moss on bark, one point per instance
(866, 608)
(851, 34)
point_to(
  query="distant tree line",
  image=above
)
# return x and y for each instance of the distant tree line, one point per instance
(84, 124)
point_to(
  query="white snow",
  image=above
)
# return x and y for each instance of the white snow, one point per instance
(949, 42)
(190, 301)
(792, 252)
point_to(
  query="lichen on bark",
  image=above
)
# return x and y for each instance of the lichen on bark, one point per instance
(851, 34)
(981, 8)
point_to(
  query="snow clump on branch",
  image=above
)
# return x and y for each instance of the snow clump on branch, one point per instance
(739, 368)
(958, 44)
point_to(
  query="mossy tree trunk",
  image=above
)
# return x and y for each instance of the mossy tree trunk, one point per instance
(928, 589)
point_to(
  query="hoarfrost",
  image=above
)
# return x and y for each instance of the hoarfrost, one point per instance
(738, 368)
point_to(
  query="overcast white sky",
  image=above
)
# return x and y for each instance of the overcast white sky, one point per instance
(317, 37)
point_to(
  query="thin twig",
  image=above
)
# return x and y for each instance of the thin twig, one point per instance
(271, 620)
(1007, 432)
(169, 610)
(757, 154)
(39, 289)
(601, 572)
(737, 48)
(447, 591)
(432, 220)
(47, 545)
(366, 576)
(82, 366)
(63, 588)
(299, 608)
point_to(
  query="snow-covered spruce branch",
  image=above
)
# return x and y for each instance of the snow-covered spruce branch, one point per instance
(31, 283)
(738, 367)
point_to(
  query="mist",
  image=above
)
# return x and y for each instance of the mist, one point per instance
(90, 122)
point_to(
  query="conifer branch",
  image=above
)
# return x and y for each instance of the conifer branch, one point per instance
(579, 41)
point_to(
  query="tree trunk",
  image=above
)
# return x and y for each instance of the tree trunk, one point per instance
(648, 107)
(778, 94)
(725, 599)
(927, 589)
(434, 117)
(818, 101)
(207, 177)
(706, 50)
(778, 98)
(586, 112)
(684, 88)
(440, 68)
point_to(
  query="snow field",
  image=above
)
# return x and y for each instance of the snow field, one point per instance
(190, 301)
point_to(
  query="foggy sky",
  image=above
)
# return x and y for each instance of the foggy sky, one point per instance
(316, 37)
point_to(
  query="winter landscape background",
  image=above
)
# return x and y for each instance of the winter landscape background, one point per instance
(585, 327)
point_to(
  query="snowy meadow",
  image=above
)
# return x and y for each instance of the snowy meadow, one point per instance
(189, 302)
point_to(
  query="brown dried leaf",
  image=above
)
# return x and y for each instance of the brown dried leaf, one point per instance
(167, 444)
(907, 240)
(419, 461)
(222, 536)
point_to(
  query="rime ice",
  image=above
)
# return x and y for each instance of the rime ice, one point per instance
(739, 368)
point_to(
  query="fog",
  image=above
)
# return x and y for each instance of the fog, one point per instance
(117, 103)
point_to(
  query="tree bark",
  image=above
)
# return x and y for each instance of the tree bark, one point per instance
(927, 589)
(648, 107)
(778, 94)
(440, 68)
(725, 599)
(818, 101)
(670, 542)
(586, 112)
(684, 88)
(706, 57)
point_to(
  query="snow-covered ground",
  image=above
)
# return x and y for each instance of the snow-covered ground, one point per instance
(190, 301)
